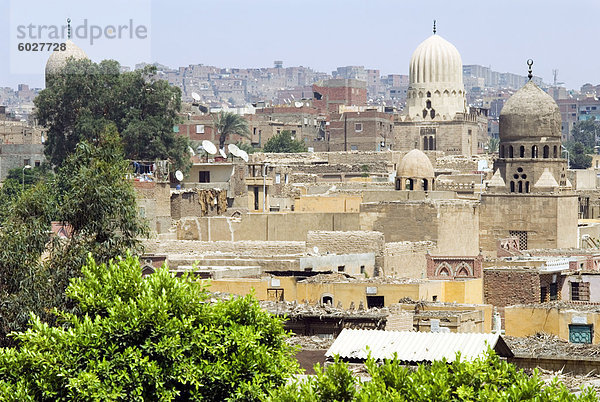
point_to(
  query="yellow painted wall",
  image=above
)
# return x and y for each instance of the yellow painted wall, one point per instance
(338, 203)
(525, 321)
(467, 291)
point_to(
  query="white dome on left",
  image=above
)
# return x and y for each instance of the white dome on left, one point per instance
(435, 89)
(58, 59)
(436, 60)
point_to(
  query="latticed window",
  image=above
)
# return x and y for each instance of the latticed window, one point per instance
(522, 236)
(580, 291)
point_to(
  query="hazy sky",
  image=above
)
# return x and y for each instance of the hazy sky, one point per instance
(319, 34)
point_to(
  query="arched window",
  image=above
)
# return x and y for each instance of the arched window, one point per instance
(462, 272)
(546, 151)
(424, 113)
(327, 300)
(431, 144)
(555, 151)
(527, 187)
(534, 151)
(510, 151)
(429, 96)
(521, 151)
(428, 103)
(408, 184)
(432, 113)
(425, 144)
(512, 186)
(520, 186)
(425, 187)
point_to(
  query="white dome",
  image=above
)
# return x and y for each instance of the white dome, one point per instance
(436, 61)
(436, 90)
(58, 58)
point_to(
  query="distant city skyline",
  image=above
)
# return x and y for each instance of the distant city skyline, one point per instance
(324, 35)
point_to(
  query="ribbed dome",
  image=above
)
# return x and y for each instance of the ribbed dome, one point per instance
(415, 164)
(436, 61)
(530, 113)
(58, 59)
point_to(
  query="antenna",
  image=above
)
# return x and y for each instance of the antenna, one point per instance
(233, 150)
(434, 29)
(530, 63)
(195, 96)
(209, 147)
(244, 155)
(68, 28)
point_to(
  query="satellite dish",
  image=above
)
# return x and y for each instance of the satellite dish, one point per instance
(195, 96)
(298, 104)
(223, 153)
(316, 250)
(191, 151)
(179, 175)
(244, 155)
(233, 149)
(209, 147)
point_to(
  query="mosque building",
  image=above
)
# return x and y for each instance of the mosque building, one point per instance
(529, 196)
(436, 116)
(58, 59)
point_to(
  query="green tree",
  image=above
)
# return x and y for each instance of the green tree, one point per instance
(492, 145)
(91, 193)
(283, 142)
(585, 133)
(227, 124)
(487, 378)
(153, 338)
(579, 157)
(85, 97)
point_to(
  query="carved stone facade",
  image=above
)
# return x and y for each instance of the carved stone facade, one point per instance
(447, 267)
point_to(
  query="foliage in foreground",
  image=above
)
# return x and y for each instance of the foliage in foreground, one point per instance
(152, 338)
(486, 379)
(91, 193)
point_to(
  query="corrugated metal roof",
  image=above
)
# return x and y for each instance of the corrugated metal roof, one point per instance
(414, 346)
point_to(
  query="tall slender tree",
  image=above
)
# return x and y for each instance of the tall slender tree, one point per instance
(227, 124)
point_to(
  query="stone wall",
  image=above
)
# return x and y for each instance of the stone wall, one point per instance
(245, 248)
(509, 286)
(550, 220)
(348, 242)
(267, 226)
(198, 202)
(453, 225)
(154, 204)
(407, 259)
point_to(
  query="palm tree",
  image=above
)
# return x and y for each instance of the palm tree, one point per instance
(227, 123)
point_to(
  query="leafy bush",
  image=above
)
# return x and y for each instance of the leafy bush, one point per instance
(486, 379)
(283, 142)
(153, 338)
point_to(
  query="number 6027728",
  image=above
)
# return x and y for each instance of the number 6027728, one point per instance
(41, 46)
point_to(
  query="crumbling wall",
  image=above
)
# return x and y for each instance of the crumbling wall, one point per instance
(350, 242)
(509, 286)
(198, 202)
(407, 259)
(153, 201)
(245, 248)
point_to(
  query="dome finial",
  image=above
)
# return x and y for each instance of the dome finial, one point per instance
(434, 29)
(68, 28)
(530, 63)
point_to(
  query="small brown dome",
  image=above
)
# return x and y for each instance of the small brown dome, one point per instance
(415, 164)
(529, 114)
